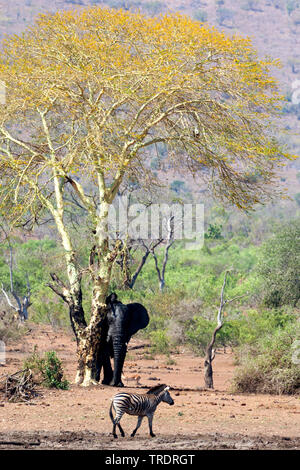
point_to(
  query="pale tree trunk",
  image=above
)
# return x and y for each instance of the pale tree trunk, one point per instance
(210, 352)
(91, 339)
(209, 357)
(88, 337)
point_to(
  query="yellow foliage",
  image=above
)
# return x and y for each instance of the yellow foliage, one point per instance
(89, 91)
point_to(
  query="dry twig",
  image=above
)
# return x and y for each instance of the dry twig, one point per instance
(19, 386)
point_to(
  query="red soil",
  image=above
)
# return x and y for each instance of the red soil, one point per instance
(78, 417)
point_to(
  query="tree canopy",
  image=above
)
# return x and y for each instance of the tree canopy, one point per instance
(89, 93)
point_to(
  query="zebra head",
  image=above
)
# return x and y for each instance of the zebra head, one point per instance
(167, 397)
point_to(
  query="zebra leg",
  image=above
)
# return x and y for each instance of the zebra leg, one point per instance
(114, 430)
(150, 419)
(116, 422)
(121, 430)
(139, 422)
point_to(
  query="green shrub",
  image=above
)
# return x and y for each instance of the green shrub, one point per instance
(47, 307)
(238, 329)
(200, 330)
(31, 259)
(268, 365)
(11, 329)
(53, 372)
(160, 343)
(254, 324)
(199, 334)
(214, 232)
(47, 370)
(279, 266)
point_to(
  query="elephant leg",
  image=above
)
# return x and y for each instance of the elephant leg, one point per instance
(119, 358)
(103, 361)
(107, 369)
(98, 367)
(107, 372)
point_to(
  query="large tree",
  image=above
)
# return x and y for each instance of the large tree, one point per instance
(88, 93)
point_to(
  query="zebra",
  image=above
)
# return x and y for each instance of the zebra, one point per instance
(138, 405)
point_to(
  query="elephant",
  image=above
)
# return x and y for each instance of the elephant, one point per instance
(122, 321)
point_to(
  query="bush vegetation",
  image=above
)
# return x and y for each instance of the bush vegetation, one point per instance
(269, 365)
(10, 329)
(279, 266)
(264, 270)
(47, 370)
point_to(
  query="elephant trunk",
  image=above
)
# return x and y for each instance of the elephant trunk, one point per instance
(120, 349)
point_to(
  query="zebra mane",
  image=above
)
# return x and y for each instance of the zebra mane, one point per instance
(157, 389)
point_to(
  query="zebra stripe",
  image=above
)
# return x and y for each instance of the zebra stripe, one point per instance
(134, 404)
(138, 405)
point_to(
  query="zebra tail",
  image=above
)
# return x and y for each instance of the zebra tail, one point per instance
(110, 412)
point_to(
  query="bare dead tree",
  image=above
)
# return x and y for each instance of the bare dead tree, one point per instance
(130, 246)
(169, 242)
(148, 249)
(210, 352)
(23, 303)
(124, 262)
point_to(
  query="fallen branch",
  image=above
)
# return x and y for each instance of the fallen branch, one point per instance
(140, 346)
(19, 386)
(19, 443)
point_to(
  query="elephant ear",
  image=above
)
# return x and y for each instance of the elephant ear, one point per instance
(138, 319)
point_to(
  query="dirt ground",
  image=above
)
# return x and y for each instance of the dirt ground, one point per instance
(200, 419)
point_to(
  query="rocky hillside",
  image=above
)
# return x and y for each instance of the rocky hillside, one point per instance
(273, 25)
